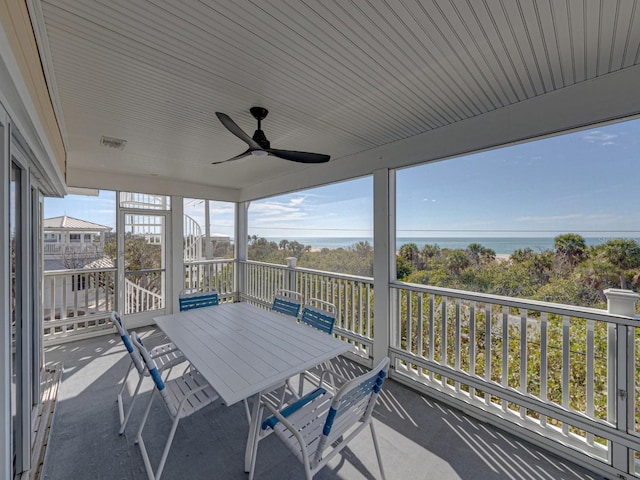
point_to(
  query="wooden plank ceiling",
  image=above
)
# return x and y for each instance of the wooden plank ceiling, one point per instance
(338, 77)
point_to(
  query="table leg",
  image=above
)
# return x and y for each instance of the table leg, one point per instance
(253, 431)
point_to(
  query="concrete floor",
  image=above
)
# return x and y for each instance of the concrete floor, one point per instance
(419, 437)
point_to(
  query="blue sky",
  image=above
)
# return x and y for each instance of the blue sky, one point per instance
(584, 182)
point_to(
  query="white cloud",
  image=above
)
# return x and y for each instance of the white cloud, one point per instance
(600, 137)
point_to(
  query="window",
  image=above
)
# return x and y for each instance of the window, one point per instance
(534, 220)
(79, 282)
(87, 238)
(208, 229)
(328, 228)
(74, 238)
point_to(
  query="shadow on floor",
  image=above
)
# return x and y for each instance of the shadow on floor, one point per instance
(420, 438)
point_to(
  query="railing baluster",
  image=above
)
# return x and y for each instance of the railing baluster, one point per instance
(445, 346)
(566, 391)
(432, 332)
(456, 350)
(544, 362)
(472, 345)
(505, 352)
(523, 357)
(487, 350)
(589, 380)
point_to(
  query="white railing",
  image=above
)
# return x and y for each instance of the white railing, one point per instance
(219, 274)
(564, 375)
(77, 302)
(139, 299)
(352, 296)
(65, 249)
(192, 240)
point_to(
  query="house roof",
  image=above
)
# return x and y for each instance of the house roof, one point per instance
(69, 223)
(374, 84)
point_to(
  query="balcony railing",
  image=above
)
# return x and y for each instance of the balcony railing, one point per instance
(563, 376)
(219, 274)
(64, 250)
(352, 296)
(77, 303)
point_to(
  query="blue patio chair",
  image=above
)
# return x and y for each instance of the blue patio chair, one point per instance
(321, 315)
(320, 424)
(183, 396)
(166, 357)
(287, 302)
(191, 298)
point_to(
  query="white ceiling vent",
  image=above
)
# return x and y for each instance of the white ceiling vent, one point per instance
(113, 142)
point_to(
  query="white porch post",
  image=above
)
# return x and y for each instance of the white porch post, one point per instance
(623, 364)
(5, 303)
(176, 256)
(384, 233)
(241, 239)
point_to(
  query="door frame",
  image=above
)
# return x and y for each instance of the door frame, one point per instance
(140, 319)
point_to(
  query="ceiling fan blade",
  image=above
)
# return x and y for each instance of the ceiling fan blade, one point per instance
(301, 157)
(237, 131)
(237, 157)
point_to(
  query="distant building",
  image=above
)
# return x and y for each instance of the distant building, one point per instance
(73, 244)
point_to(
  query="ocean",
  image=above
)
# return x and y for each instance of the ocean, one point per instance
(501, 245)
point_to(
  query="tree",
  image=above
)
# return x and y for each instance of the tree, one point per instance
(570, 247)
(623, 254)
(410, 254)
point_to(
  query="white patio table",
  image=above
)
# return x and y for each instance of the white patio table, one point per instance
(243, 350)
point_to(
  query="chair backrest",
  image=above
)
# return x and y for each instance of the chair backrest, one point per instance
(353, 403)
(194, 298)
(319, 314)
(124, 335)
(153, 371)
(287, 302)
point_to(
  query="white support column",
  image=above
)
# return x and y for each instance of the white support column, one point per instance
(5, 303)
(176, 257)
(241, 247)
(621, 302)
(384, 233)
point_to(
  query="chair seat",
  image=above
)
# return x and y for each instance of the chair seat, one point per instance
(166, 356)
(178, 388)
(307, 420)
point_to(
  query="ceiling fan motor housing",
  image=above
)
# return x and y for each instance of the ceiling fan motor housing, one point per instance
(261, 139)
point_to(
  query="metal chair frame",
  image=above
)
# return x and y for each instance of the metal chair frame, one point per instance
(182, 396)
(319, 425)
(166, 357)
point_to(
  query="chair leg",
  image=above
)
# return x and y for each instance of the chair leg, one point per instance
(375, 445)
(144, 418)
(247, 410)
(165, 452)
(119, 399)
(123, 423)
(140, 442)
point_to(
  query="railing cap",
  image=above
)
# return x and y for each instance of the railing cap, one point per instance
(291, 262)
(621, 302)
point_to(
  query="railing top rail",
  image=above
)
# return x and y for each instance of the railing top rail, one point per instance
(208, 262)
(556, 308)
(75, 271)
(343, 276)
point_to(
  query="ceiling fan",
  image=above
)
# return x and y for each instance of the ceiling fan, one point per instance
(259, 145)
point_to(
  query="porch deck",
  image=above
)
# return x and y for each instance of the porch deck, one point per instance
(420, 438)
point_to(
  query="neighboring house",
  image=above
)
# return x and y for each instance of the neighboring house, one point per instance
(74, 244)
(72, 241)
